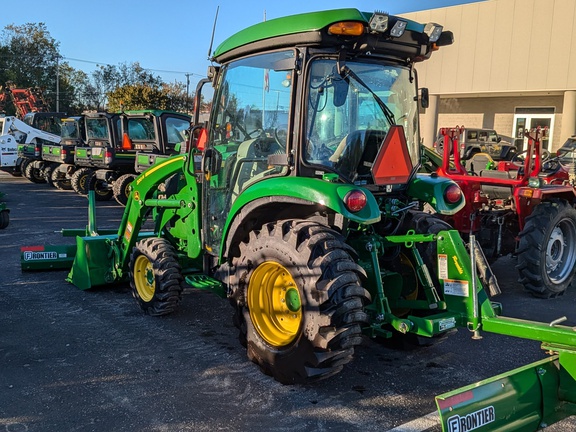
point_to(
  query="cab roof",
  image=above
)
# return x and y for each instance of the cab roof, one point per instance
(311, 29)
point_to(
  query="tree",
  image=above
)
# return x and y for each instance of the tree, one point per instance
(29, 56)
(74, 86)
(127, 85)
(136, 97)
(178, 100)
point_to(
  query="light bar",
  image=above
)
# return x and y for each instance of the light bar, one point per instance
(378, 22)
(398, 28)
(433, 31)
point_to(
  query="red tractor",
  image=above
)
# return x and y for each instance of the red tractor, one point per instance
(523, 207)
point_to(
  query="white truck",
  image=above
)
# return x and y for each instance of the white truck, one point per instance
(14, 132)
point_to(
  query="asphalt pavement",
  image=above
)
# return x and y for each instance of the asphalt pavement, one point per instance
(73, 360)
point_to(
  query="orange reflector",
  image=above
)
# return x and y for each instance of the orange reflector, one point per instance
(393, 164)
(525, 192)
(126, 142)
(346, 28)
(202, 139)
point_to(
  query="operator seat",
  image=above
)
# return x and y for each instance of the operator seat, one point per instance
(496, 191)
(478, 163)
(252, 162)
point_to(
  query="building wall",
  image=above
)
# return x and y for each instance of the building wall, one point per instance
(503, 46)
(496, 113)
(506, 54)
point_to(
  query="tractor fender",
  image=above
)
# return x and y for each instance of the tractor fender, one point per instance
(431, 188)
(292, 197)
(527, 198)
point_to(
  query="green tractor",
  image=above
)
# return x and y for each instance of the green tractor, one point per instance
(305, 213)
(59, 158)
(120, 145)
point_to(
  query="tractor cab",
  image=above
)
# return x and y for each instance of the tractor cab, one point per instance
(319, 105)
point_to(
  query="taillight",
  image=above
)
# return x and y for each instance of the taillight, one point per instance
(63, 154)
(355, 201)
(453, 194)
(108, 157)
(37, 151)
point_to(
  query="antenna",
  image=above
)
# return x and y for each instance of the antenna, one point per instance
(213, 31)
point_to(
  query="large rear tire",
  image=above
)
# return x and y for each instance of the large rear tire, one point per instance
(78, 180)
(547, 249)
(299, 301)
(155, 276)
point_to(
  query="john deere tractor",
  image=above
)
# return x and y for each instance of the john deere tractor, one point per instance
(304, 211)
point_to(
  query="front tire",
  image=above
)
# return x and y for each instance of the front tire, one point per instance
(47, 172)
(4, 219)
(34, 174)
(155, 276)
(60, 180)
(547, 249)
(299, 301)
(101, 190)
(121, 188)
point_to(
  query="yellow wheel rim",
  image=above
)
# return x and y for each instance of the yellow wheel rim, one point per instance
(144, 278)
(274, 304)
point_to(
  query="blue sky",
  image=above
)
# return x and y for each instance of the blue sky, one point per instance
(169, 37)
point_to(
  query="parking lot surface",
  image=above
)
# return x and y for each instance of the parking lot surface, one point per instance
(73, 360)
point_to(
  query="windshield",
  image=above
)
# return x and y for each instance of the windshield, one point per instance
(141, 129)
(69, 130)
(97, 128)
(349, 115)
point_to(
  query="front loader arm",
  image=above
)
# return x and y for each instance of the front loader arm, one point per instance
(141, 200)
(104, 259)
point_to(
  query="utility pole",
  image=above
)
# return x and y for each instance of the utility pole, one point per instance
(58, 83)
(187, 89)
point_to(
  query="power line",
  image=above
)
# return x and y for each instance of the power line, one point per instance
(147, 69)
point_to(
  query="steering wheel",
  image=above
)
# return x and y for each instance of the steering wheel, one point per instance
(519, 158)
(281, 136)
(254, 133)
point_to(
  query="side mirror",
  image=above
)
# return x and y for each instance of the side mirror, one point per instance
(340, 92)
(211, 162)
(424, 98)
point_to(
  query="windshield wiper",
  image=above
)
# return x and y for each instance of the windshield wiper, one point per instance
(346, 72)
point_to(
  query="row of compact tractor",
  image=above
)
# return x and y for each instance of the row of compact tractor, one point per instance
(305, 213)
(28, 133)
(523, 207)
(105, 151)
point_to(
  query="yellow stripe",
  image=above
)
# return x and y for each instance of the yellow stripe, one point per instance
(157, 167)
